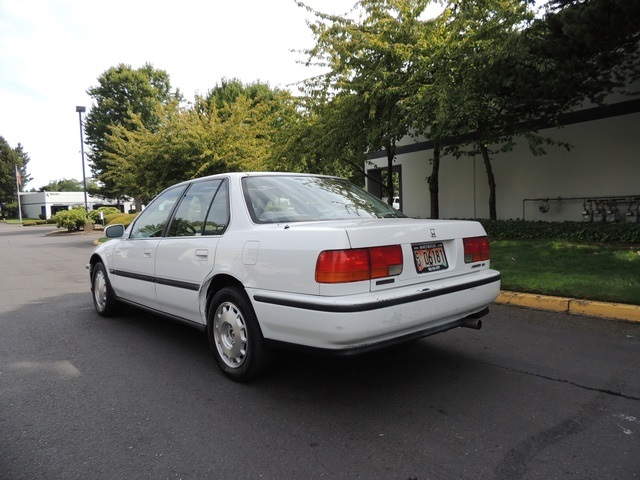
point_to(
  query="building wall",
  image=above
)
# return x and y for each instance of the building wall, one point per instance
(603, 162)
(33, 203)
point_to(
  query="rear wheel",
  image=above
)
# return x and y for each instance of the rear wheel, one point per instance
(235, 336)
(104, 299)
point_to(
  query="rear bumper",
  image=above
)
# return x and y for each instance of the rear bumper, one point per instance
(357, 322)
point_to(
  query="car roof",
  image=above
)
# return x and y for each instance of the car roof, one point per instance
(233, 175)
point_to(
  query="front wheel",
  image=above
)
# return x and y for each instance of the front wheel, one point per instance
(104, 300)
(235, 336)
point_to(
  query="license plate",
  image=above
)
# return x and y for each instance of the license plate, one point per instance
(429, 257)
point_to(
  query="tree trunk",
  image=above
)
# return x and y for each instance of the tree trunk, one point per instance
(492, 183)
(434, 188)
(391, 153)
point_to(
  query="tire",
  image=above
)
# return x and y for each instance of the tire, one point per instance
(104, 300)
(235, 336)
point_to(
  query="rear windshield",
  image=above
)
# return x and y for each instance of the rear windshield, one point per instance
(277, 199)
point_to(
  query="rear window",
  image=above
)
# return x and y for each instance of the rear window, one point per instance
(277, 199)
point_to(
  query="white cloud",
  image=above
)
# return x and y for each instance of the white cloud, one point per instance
(52, 51)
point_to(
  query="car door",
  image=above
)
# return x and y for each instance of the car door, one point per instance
(133, 269)
(187, 254)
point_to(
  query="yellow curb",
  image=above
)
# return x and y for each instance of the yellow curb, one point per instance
(555, 304)
(606, 310)
(617, 311)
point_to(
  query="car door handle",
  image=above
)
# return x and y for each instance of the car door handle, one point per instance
(202, 254)
(147, 253)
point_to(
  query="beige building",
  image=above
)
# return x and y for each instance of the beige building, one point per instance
(601, 172)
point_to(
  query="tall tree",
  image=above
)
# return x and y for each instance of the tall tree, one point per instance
(482, 53)
(275, 109)
(230, 129)
(368, 62)
(121, 93)
(10, 159)
(23, 160)
(515, 74)
(436, 114)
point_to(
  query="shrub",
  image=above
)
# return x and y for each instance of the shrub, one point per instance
(94, 215)
(581, 232)
(10, 210)
(71, 219)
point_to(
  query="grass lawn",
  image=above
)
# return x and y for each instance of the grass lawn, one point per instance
(587, 271)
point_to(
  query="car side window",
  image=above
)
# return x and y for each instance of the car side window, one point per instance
(189, 219)
(218, 216)
(153, 219)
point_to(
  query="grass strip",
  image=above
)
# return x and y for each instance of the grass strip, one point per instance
(561, 268)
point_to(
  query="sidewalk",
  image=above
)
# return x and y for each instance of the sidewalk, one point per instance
(616, 311)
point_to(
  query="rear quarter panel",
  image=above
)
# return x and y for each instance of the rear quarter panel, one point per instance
(278, 257)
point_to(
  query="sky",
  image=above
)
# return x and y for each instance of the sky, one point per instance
(53, 51)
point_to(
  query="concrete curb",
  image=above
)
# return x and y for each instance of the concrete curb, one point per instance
(616, 311)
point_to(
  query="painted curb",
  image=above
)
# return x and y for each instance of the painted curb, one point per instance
(616, 311)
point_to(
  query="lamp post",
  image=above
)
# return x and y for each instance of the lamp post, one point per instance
(80, 111)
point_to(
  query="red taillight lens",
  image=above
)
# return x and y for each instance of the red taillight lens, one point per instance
(386, 261)
(476, 249)
(339, 266)
(354, 265)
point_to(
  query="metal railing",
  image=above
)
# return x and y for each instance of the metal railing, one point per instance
(597, 208)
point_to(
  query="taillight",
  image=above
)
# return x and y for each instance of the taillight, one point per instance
(354, 265)
(386, 261)
(339, 266)
(476, 249)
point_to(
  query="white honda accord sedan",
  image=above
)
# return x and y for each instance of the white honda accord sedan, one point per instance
(267, 260)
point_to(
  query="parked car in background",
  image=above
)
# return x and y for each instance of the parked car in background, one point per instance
(395, 204)
(261, 261)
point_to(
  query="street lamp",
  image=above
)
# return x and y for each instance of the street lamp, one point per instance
(80, 111)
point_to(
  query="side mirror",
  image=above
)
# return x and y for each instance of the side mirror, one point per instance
(114, 231)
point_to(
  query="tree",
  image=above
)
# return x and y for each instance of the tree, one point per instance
(234, 128)
(23, 160)
(369, 62)
(315, 142)
(63, 185)
(435, 111)
(590, 48)
(276, 110)
(10, 158)
(487, 63)
(123, 92)
(515, 74)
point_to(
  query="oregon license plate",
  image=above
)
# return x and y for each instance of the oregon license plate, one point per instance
(429, 257)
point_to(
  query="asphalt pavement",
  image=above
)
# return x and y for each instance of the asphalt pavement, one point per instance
(532, 395)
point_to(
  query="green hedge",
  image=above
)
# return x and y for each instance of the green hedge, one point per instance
(569, 231)
(31, 223)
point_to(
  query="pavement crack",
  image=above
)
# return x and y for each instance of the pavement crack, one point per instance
(606, 391)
